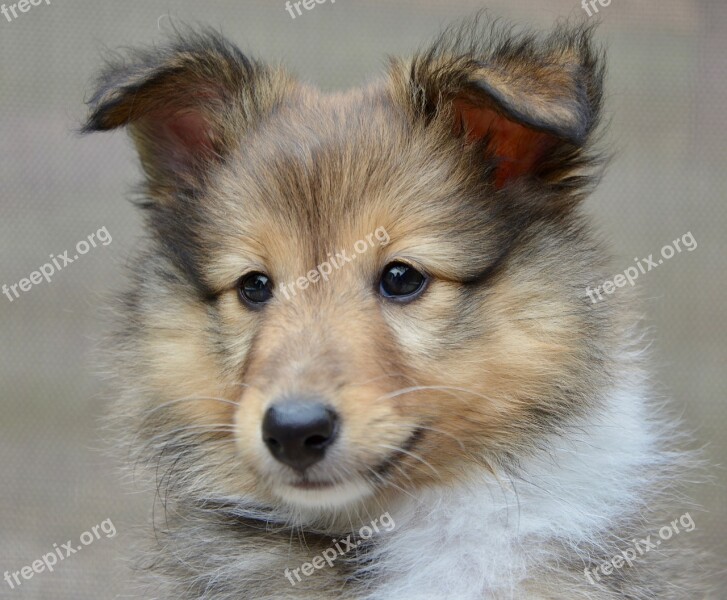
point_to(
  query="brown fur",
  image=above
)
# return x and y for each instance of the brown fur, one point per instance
(473, 155)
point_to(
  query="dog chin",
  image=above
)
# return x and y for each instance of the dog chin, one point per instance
(310, 495)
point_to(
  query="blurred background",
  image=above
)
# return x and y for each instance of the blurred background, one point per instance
(667, 97)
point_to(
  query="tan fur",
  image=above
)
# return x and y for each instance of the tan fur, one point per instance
(248, 170)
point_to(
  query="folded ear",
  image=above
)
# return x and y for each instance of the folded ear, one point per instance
(532, 103)
(186, 105)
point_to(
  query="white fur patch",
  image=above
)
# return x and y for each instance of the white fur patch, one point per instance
(338, 497)
(484, 539)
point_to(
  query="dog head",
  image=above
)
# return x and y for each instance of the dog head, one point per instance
(358, 294)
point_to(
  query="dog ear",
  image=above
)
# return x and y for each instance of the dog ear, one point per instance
(533, 104)
(186, 105)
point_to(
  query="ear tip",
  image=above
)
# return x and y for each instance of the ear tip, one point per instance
(101, 108)
(127, 72)
(93, 124)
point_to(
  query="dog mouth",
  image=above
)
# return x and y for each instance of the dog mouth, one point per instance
(304, 484)
(383, 468)
(380, 470)
(323, 494)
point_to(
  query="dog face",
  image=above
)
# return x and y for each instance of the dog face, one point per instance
(354, 295)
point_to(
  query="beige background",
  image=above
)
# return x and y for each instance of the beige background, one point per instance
(667, 101)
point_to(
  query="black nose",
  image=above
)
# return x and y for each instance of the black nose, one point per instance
(298, 432)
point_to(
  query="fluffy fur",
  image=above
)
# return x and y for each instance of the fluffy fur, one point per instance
(502, 419)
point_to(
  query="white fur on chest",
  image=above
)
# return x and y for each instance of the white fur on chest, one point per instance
(484, 539)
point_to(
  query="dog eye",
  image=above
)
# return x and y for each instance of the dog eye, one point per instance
(255, 288)
(401, 282)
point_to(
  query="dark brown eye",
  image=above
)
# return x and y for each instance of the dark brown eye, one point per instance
(401, 283)
(255, 288)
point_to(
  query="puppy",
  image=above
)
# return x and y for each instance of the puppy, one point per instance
(356, 351)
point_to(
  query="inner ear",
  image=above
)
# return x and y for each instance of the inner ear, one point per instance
(192, 131)
(182, 138)
(186, 105)
(518, 149)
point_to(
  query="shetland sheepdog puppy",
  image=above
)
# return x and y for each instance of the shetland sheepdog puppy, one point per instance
(356, 350)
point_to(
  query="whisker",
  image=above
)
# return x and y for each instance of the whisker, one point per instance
(412, 426)
(439, 388)
(414, 456)
(389, 483)
(164, 405)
